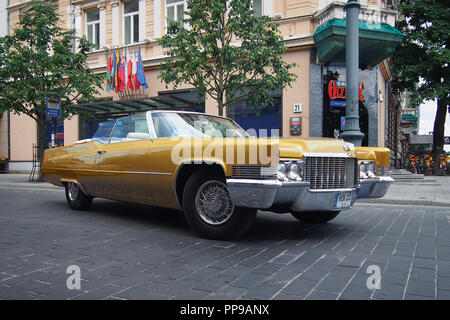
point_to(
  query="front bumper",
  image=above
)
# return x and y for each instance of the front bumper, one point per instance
(297, 196)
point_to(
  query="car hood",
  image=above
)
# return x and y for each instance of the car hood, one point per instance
(297, 147)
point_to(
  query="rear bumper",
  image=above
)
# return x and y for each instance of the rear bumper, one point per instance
(263, 194)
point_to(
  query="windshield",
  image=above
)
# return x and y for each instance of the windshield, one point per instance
(172, 124)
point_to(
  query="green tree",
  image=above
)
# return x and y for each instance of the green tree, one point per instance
(38, 61)
(421, 62)
(223, 50)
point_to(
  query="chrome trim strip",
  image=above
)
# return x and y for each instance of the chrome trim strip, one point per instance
(333, 155)
(151, 173)
(118, 172)
(332, 190)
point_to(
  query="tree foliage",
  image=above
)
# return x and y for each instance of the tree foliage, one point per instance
(421, 62)
(223, 50)
(39, 60)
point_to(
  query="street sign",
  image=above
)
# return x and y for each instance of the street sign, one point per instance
(53, 108)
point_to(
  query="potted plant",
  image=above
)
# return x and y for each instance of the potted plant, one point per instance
(3, 163)
(3, 159)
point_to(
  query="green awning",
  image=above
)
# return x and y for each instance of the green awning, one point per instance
(167, 101)
(376, 42)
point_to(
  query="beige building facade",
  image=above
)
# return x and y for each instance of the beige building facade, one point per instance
(133, 24)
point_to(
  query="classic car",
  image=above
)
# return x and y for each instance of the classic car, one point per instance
(215, 172)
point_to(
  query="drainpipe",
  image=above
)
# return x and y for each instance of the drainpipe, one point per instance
(352, 133)
(9, 112)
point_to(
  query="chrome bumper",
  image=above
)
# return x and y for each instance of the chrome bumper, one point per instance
(263, 194)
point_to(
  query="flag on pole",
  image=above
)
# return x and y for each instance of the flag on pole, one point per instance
(140, 72)
(117, 72)
(134, 72)
(108, 74)
(122, 73)
(129, 70)
(113, 71)
(125, 58)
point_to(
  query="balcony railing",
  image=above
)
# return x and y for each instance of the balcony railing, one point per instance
(369, 14)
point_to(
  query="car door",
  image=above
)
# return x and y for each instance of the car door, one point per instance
(122, 164)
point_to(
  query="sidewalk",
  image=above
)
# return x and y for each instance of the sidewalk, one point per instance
(429, 191)
(20, 181)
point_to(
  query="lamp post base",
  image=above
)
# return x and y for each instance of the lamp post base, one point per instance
(354, 137)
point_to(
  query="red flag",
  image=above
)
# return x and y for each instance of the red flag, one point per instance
(129, 71)
(108, 73)
(122, 74)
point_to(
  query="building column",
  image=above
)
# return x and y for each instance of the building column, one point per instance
(157, 18)
(115, 22)
(102, 15)
(77, 26)
(268, 7)
(141, 20)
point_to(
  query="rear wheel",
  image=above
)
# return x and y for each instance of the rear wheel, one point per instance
(315, 217)
(76, 198)
(209, 210)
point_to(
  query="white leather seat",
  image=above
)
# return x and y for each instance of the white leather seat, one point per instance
(138, 135)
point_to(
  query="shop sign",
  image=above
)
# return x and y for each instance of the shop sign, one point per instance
(338, 90)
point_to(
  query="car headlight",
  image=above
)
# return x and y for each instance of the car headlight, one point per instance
(292, 170)
(282, 171)
(367, 170)
(372, 170)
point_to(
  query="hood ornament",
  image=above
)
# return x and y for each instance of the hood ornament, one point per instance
(349, 146)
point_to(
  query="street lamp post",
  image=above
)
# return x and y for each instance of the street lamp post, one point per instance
(352, 132)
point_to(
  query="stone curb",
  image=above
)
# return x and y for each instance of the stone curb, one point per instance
(406, 202)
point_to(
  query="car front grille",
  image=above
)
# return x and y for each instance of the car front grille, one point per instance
(331, 172)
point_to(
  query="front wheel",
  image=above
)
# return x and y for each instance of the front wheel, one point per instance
(315, 217)
(76, 198)
(209, 210)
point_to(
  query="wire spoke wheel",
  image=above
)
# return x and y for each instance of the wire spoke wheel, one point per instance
(213, 202)
(73, 191)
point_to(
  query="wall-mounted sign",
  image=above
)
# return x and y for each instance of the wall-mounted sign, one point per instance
(338, 90)
(53, 107)
(297, 107)
(295, 126)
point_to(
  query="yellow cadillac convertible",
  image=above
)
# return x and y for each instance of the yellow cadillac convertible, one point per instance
(217, 174)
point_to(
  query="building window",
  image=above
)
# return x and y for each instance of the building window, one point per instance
(93, 27)
(131, 21)
(257, 7)
(175, 10)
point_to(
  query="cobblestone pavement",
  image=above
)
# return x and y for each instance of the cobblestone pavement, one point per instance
(128, 251)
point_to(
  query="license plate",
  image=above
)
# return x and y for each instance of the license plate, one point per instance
(343, 200)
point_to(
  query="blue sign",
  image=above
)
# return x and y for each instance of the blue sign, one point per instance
(342, 123)
(53, 108)
(337, 103)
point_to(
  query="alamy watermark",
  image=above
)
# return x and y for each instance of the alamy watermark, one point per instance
(74, 280)
(374, 280)
(257, 148)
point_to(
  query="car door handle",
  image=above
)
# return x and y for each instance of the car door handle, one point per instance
(101, 151)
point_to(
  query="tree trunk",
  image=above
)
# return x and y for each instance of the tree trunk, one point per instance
(42, 143)
(220, 106)
(438, 134)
